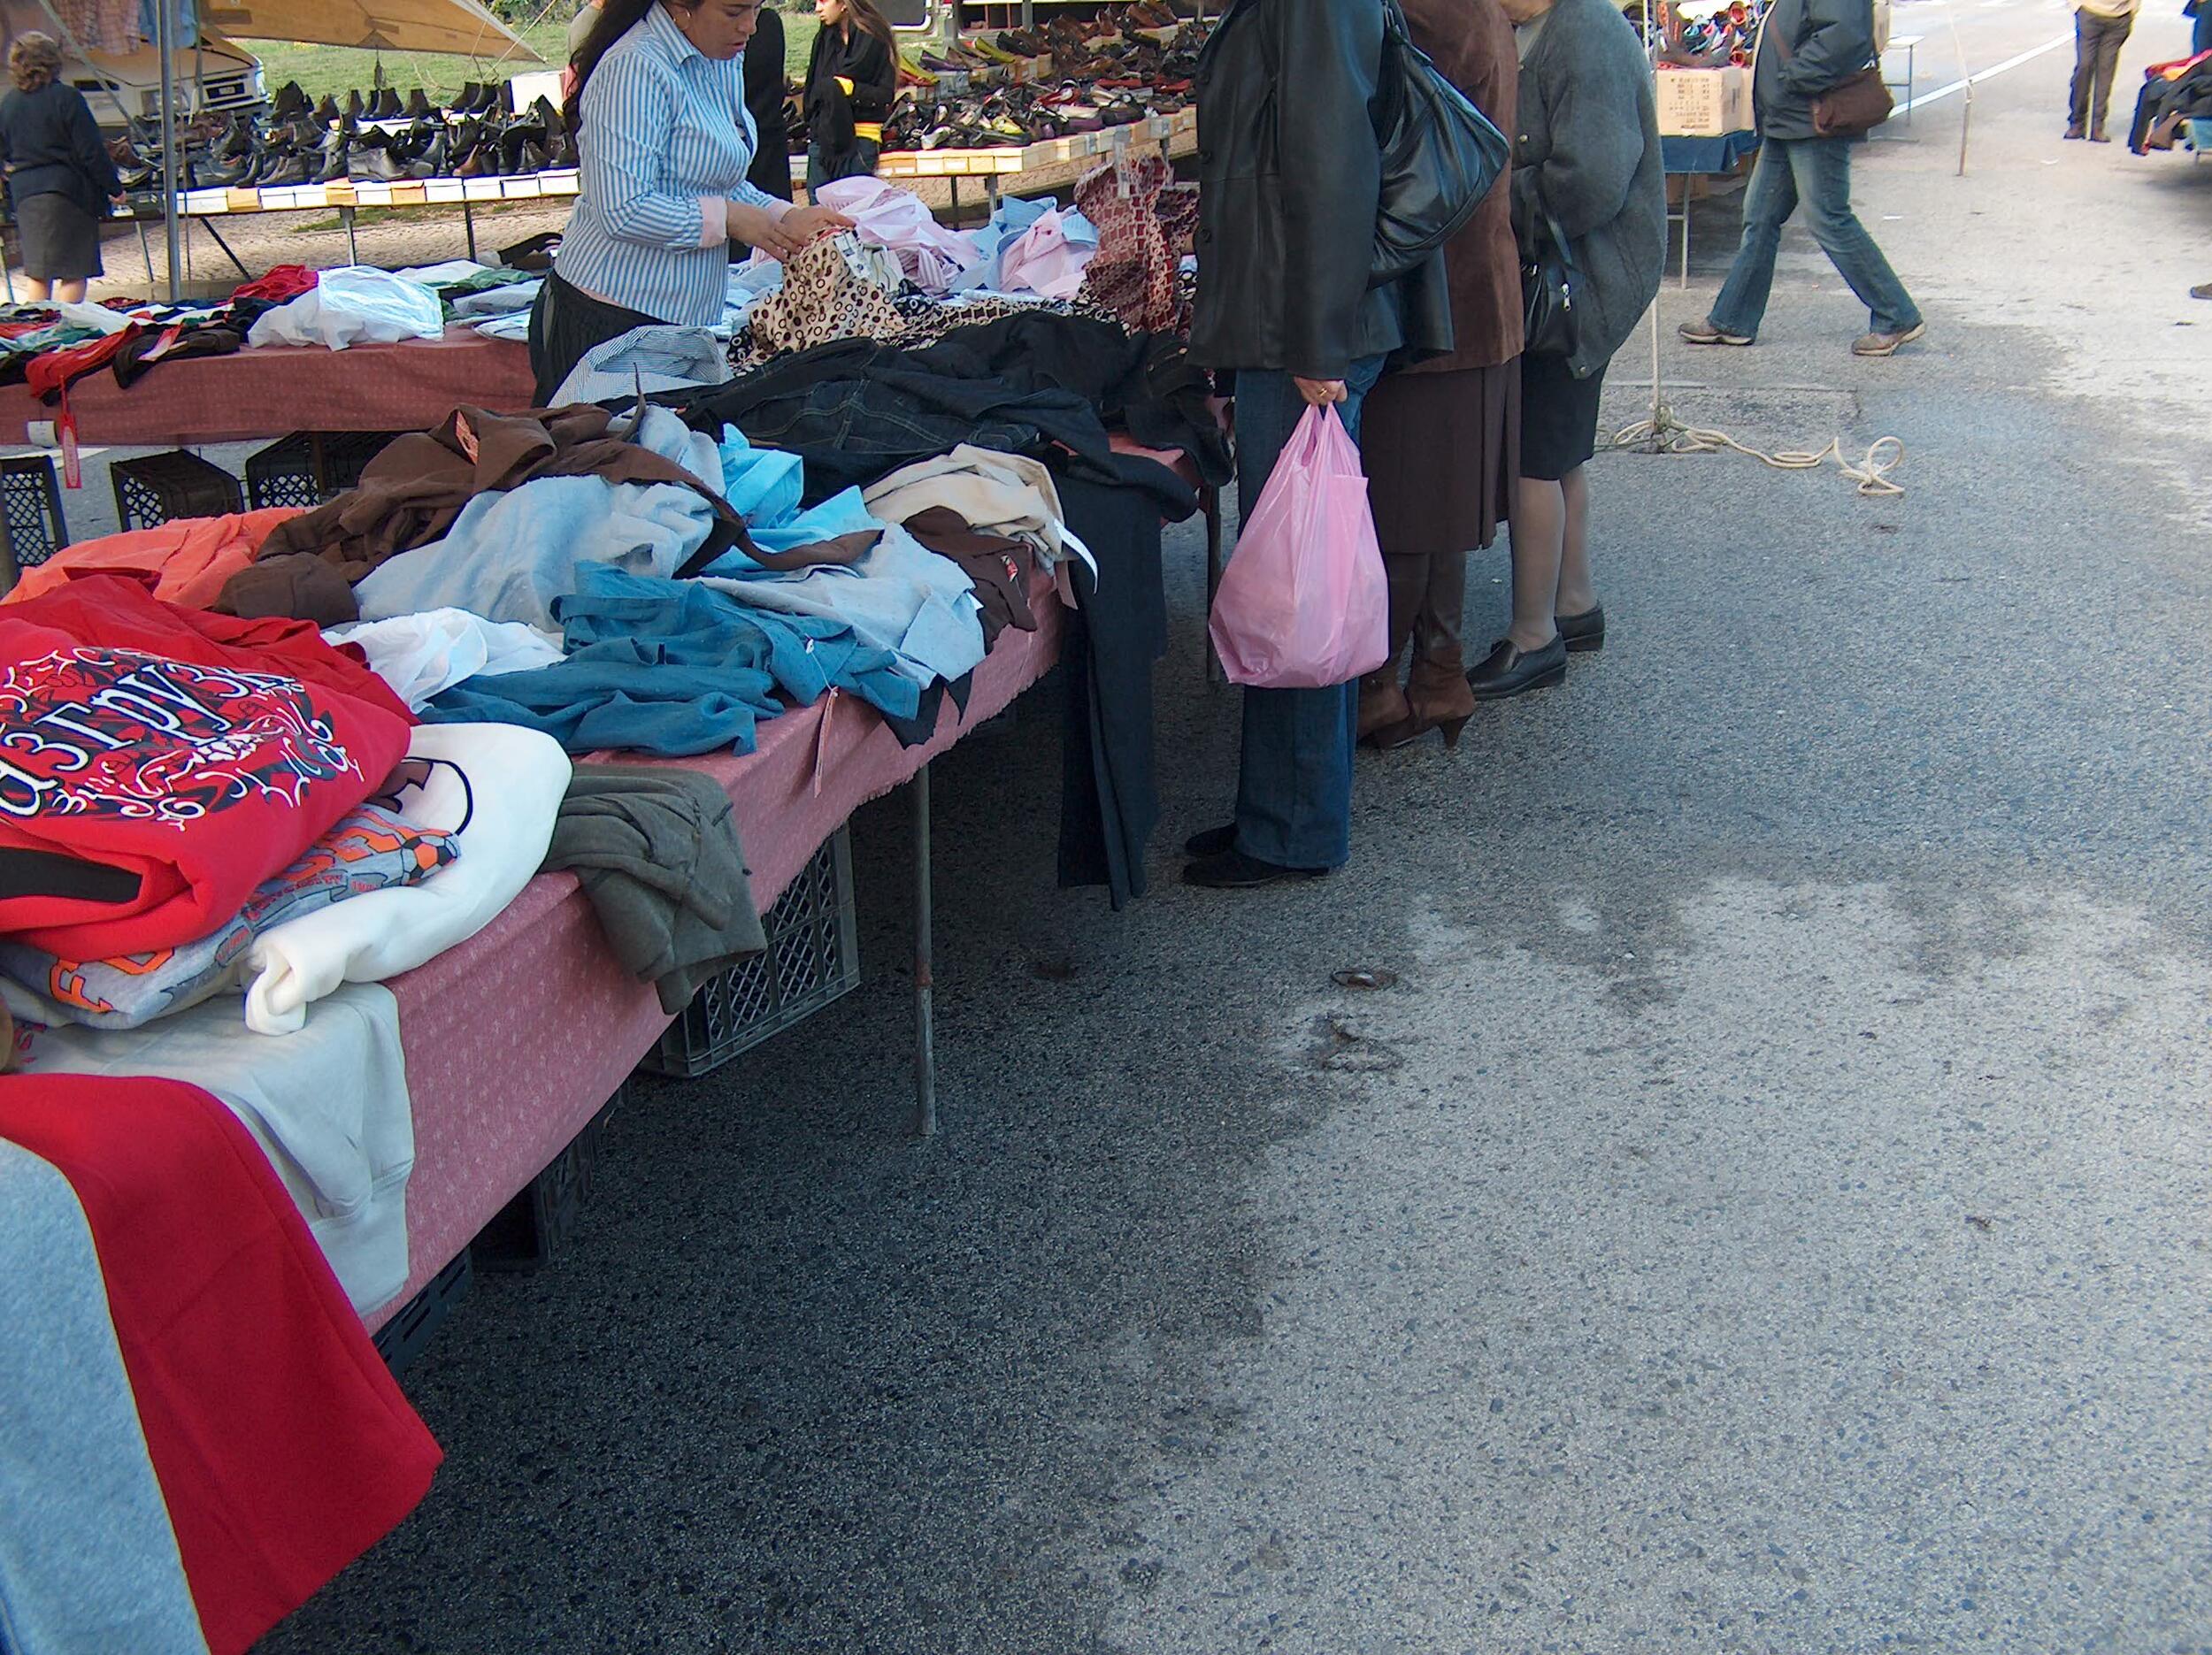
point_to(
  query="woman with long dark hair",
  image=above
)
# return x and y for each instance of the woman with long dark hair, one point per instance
(663, 141)
(60, 178)
(851, 78)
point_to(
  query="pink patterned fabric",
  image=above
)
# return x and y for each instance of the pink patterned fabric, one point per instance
(517, 1038)
(276, 389)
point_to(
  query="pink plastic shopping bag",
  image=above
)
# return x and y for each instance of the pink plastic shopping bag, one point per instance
(1304, 602)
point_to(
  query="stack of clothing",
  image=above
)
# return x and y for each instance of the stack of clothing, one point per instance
(2172, 93)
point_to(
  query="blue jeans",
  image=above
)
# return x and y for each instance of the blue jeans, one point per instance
(1294, 775)
(1818, 172)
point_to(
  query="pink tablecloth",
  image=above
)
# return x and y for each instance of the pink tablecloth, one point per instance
(517, 1038)
(268, 392)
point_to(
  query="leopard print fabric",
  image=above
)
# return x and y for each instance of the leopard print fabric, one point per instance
(833, 288)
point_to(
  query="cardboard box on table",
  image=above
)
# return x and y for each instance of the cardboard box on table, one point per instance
(1704, 103)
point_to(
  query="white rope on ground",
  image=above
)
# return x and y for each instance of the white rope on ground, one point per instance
(1663, 433)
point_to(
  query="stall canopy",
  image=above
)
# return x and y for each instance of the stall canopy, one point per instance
(461, 26)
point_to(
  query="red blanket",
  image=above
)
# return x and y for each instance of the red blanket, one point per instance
(283, 1448)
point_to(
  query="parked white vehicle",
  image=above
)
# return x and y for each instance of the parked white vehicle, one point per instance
(220, 75)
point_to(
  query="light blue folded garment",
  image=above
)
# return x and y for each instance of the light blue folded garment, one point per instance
(509, 554)
(762, 485)
(843, 513)
(899, 597)
(661, 357)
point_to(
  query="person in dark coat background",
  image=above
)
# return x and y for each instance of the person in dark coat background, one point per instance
(1827, 42)
(1286, 241)
(60, 178)
(852, 77)
(764, 82)
(1441, 438)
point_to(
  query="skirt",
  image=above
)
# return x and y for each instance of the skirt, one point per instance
(565, 323)
(1559, 417)
(1441, 452)
(61, 241)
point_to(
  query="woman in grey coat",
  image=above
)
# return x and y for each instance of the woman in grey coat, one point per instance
(1586, 158)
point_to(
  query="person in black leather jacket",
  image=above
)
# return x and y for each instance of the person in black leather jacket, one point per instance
(1290, 175)
(1806, 48)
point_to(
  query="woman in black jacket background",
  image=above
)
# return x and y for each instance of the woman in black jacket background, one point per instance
(852, 75)
(1290, 179)
(764, 82)
(59, 175)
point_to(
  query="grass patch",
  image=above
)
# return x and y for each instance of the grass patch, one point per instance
(338, 70)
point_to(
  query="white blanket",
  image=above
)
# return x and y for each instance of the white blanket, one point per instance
(501, 786)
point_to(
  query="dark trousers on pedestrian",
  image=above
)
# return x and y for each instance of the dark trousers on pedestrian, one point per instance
(2097, 43)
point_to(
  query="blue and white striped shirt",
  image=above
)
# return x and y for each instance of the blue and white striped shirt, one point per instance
(666, 141)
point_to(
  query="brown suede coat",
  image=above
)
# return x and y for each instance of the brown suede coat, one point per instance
(1471, 43)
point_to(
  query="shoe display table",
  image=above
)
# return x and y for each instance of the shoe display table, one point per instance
(272, 390)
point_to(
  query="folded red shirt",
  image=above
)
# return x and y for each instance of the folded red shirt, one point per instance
(196, 753)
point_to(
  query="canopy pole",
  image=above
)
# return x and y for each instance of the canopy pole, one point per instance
(164, 42)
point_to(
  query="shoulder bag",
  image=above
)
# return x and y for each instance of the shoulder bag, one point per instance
(1550, 326)
(1852, 108)
(1440, 155)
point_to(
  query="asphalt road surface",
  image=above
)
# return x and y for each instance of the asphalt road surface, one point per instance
(1768, 1213)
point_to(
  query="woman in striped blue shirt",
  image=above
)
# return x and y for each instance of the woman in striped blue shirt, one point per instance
(663, 141)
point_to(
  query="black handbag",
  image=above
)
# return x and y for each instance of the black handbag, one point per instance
(1440, 155)
(1550, 326)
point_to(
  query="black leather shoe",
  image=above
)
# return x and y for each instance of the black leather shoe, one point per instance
(1233, 871)
(1212, 842)
(1583, 632)
(1507, 670)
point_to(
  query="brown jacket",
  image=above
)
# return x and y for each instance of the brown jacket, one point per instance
(1471, 44)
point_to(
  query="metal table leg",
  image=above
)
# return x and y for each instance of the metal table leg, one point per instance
(353, 247)
(208, 225)
(146, 251)
(925, 1014)
(468, 218)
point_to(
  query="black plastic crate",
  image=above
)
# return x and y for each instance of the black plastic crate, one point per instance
(530, 1230)
(31, 495)
(401, 1339)
(308, 467)
(151, 490)
(813, 957)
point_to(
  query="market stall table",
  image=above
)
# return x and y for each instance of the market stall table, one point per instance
(1700, 157)
(267, 390)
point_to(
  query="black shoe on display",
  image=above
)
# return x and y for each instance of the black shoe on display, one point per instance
(1508, 670)
(419, 105)
(327, 112)
(355, 108)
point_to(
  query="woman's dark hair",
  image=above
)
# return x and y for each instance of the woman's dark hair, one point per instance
(865, 16)
(33, 60)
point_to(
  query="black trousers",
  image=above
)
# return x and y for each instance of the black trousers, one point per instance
(2097, 43)
(565, 323)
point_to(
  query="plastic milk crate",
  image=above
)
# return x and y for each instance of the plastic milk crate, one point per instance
(812, 958)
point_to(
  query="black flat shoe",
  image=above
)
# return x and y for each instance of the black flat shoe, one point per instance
(1212, 842)
(1583, 632)
(1233, 871)
(1507, 670)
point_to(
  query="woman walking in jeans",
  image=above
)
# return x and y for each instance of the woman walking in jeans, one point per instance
(1807, 48)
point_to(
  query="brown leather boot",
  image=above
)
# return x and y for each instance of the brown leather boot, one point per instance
(1437, 696)
(1382, 704)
